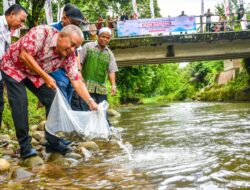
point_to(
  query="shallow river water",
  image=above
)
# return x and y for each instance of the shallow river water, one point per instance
(184, 146)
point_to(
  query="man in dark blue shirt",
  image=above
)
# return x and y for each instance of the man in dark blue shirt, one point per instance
(71, 15)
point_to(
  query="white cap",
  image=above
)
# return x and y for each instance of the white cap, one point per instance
(105, 29)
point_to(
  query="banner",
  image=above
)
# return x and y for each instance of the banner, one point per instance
(7, 4)
(152, 10)
(156, 26)
(48, 11)
(134, 5)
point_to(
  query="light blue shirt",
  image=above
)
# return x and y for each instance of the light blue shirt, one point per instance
(4, 35)
(5, 38)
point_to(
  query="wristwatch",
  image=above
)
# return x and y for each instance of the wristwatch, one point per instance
(91, 99)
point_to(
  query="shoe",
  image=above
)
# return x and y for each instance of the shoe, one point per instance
(28, 152)
(59, 147)
(65, 142)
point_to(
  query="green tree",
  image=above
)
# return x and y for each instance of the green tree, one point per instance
(34, 9)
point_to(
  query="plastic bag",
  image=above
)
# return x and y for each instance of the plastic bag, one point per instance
(91, 124)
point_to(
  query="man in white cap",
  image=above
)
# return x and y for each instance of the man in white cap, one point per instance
(97, 63)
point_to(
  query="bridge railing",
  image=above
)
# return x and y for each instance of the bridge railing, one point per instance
(217, 24)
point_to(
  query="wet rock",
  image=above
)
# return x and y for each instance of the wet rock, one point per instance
(34, 142)
(7, 151)
(73, 155)
(54, 156)
(32, 162)
(39, 136)
(3, 178)
(7, 157)
(66, 162)
(90, 145)
(33, 128)
(41, 126)
(4, 138)
(113, 113)
(21, 174)
(4, 165)
(84, 152)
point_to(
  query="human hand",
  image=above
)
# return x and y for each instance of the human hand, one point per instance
(92, 105)
(50, 82)
(113, 90)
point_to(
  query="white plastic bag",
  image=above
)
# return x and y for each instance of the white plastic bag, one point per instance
(91, 124)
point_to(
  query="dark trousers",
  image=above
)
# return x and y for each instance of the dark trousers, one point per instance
(18, 100)
(208, 27)
(1, 101)
(75, 102)
(98, 99)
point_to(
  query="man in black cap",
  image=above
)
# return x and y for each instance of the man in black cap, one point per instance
(71, 15)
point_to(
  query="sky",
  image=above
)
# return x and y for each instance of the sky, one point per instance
(190, 7)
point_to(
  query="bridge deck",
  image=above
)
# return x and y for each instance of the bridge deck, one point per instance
(181, 48)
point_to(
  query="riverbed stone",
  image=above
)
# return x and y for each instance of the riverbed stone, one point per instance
(113, 113)
(39, 136)
(84, 152)
(73, 155)
(4, 165)
(66, 162)
(90, 145)
(4, 138)
(32, 162)
(54, 156)
(41, 125)
(34, 142)
(20, 173)
(33, 128)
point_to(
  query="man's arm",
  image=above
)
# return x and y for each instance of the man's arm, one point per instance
(113, 84)
(82, 91)
(31, 63)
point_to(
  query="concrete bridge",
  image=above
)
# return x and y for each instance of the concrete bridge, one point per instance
(181, 48)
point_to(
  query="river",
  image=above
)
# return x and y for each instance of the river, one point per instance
(184, 146)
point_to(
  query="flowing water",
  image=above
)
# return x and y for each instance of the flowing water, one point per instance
(184, 146)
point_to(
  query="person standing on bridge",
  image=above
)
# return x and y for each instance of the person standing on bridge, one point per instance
(208, 15)
(241, 17)
(98, 62)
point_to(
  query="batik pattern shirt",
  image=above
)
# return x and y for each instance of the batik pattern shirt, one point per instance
(40, 42)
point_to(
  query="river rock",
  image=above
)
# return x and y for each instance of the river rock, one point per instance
(7, 151)
(41, 126)
(113, 113)
(32, 162)
(21, 174)
(39, 136)
(34, 142)
(54, 156)
(65, 162)
(90, 145)
(73, 155)
(4, 165)
(4, 138)
(84, 152)
(33, 128)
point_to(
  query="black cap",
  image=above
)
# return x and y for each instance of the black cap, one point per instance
(73, 12)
